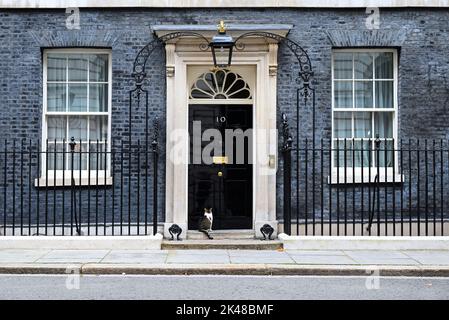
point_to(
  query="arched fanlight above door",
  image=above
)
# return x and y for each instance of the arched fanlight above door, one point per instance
(220, 84)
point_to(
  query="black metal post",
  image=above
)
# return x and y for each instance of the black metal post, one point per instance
(154, 145)
(72, 145)
(287, 154)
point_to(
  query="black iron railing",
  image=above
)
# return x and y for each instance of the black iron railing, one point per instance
(365, 187)
(78, 187)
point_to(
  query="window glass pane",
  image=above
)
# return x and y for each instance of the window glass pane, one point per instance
(384, 94)
(79, 157)
(56, 97)
(383, 124)
(363, 94)
(342, 65)
(98, 156)
(197, 94)
(78, 127)
(98, 98)
(98, 68)
(342, 151)
(55, 154)
(362, 158)
(343, 125)
(385, 154)
(56, 67)
(77, 97)
(363, 66)
(383, 64)
(56, 128)
(98, 128)
(362, 124)
(343, 94)
(77, 67)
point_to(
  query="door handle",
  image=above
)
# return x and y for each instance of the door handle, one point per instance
(220, 174)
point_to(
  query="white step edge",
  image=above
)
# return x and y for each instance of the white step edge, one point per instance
(363, 243)
(222, 234)
(148, 242)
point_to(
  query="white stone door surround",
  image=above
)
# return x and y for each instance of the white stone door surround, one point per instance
(259, 55)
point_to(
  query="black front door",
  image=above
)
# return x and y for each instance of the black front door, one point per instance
(221, 177)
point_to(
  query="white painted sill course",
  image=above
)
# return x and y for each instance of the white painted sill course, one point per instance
(149, 242)
(66, 182)
(364, 242)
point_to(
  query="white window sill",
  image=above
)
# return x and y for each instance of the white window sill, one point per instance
(357, 179)
(66, 182)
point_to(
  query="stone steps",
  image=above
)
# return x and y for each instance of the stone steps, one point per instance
(229, 244)
(221, 234)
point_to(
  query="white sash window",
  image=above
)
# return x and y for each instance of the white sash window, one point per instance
(364, 107)
(77, 103)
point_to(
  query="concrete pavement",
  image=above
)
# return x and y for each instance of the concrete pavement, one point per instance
(281, 262)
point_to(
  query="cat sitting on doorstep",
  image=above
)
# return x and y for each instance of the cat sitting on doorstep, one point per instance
(205, 223)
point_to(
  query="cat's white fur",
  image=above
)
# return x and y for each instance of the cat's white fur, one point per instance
(209, 216)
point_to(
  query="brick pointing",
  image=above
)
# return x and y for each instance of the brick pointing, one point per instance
(421, 36)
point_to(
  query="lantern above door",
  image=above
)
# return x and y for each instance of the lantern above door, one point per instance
(221, 48)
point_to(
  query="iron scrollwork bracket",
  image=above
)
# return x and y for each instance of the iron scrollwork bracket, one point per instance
(301, 55)
(175, 229)
(307, 90)
(267, 231)
(144, 54)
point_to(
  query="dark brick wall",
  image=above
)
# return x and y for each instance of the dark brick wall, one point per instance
(421, 36)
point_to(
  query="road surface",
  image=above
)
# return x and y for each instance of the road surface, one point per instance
(220, 287)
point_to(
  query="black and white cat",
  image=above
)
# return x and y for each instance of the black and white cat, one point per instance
(205, 223)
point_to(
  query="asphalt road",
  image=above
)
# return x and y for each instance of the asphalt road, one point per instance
(220, 287)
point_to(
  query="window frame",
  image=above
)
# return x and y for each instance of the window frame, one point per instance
(104, 175)
(365, 174)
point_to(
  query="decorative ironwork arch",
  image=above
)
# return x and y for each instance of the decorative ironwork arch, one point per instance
(139, 69)
(301, 55)
(306, 91)
(138, 93)
(144, 54)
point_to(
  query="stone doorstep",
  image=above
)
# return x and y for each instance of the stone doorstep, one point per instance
(230, 244)
(221, 234)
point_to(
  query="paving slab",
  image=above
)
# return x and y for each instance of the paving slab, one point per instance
(322, 259)
(73, 256)
(216, 261)
(199, 251)
(254, 257)
(380, 257)
(430, 257)
(20, 255)
(317, 252)
(186, 256)
(135, 256)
